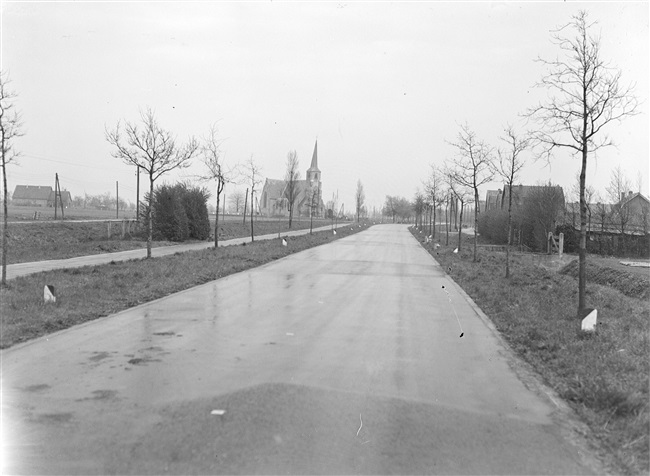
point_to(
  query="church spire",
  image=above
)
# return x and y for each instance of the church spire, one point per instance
(314, 157)
(313, 174)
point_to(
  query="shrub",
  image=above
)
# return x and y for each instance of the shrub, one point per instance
(194, 201)
(170, 221)
(493, 226)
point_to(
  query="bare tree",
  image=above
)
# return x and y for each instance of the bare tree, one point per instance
(508, 167)
(314, 203)
(252, 172)
(335, 204)
(291, 178)
(459, 192)
(419, 209)
(213, 160)
(152, 149)
(359, 199)
(473, 168)
(236, 199)
(10, 128)
(436, 198)
(618, 189)
(587, 97)
(390, 207)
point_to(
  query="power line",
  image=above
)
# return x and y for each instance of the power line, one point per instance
(38, 157)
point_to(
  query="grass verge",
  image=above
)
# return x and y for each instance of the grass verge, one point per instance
(47, 240)
(90, 292)
(604, 376)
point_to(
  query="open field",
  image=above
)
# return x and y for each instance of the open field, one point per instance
(90, 292)
(47, 240)
(604, 376)
(27, 213)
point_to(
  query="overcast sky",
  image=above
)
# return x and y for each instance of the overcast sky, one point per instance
(381, 85)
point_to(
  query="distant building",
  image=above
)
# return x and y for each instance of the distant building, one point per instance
(38, 196)
(274, 200)
(521, 192)
(493, 200)
(631, 213)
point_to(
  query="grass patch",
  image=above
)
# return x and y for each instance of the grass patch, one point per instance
(604, 376)
(87, 293)
(48, 240)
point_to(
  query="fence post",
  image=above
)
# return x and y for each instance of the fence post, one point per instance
(108, 229)
(561, 244)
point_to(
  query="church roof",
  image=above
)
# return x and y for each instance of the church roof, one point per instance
(314, 158)
(275, 187)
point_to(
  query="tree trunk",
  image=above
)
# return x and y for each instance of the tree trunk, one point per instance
(509, 230)
(5, 230)
(460, 227)
(150, 215)
(216, 221)
(476, 212)
(447, 221)
(252, 213)
(582, 252)
(290, 214)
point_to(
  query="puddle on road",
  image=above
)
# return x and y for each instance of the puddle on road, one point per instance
(100, 395)
(142, 360)
(54, 418)
(99, 356)
(36, 388)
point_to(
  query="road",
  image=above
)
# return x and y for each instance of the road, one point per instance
(342, 359)
(22, 269)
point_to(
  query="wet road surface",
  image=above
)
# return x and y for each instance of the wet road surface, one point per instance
(342, 359)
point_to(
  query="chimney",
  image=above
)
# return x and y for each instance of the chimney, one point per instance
(629, 194)
(622, 196)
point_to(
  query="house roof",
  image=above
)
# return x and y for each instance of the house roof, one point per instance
(629, 198)
(32, 192)
(522, 191)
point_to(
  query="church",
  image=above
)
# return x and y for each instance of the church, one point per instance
(274, 200)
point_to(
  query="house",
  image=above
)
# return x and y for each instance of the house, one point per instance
(38, 196)
(65, 198)
(274, 201)
(520, 193)
(637, 206)
(492, 200)
(31, 195)
(631, 213)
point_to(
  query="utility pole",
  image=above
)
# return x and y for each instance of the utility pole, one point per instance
(117, 199)
(57, 195)
(56, 183)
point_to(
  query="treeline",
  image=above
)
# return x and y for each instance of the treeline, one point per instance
(104, 201)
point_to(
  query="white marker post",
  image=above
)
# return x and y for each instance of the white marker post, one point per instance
(48, 294)
(589, 322)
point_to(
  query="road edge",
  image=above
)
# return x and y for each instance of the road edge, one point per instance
(590, 450)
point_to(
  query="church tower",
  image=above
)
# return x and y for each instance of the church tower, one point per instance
(314, 180)
(313, 174)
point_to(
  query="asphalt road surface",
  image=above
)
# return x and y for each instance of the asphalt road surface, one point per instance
(342, 359)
